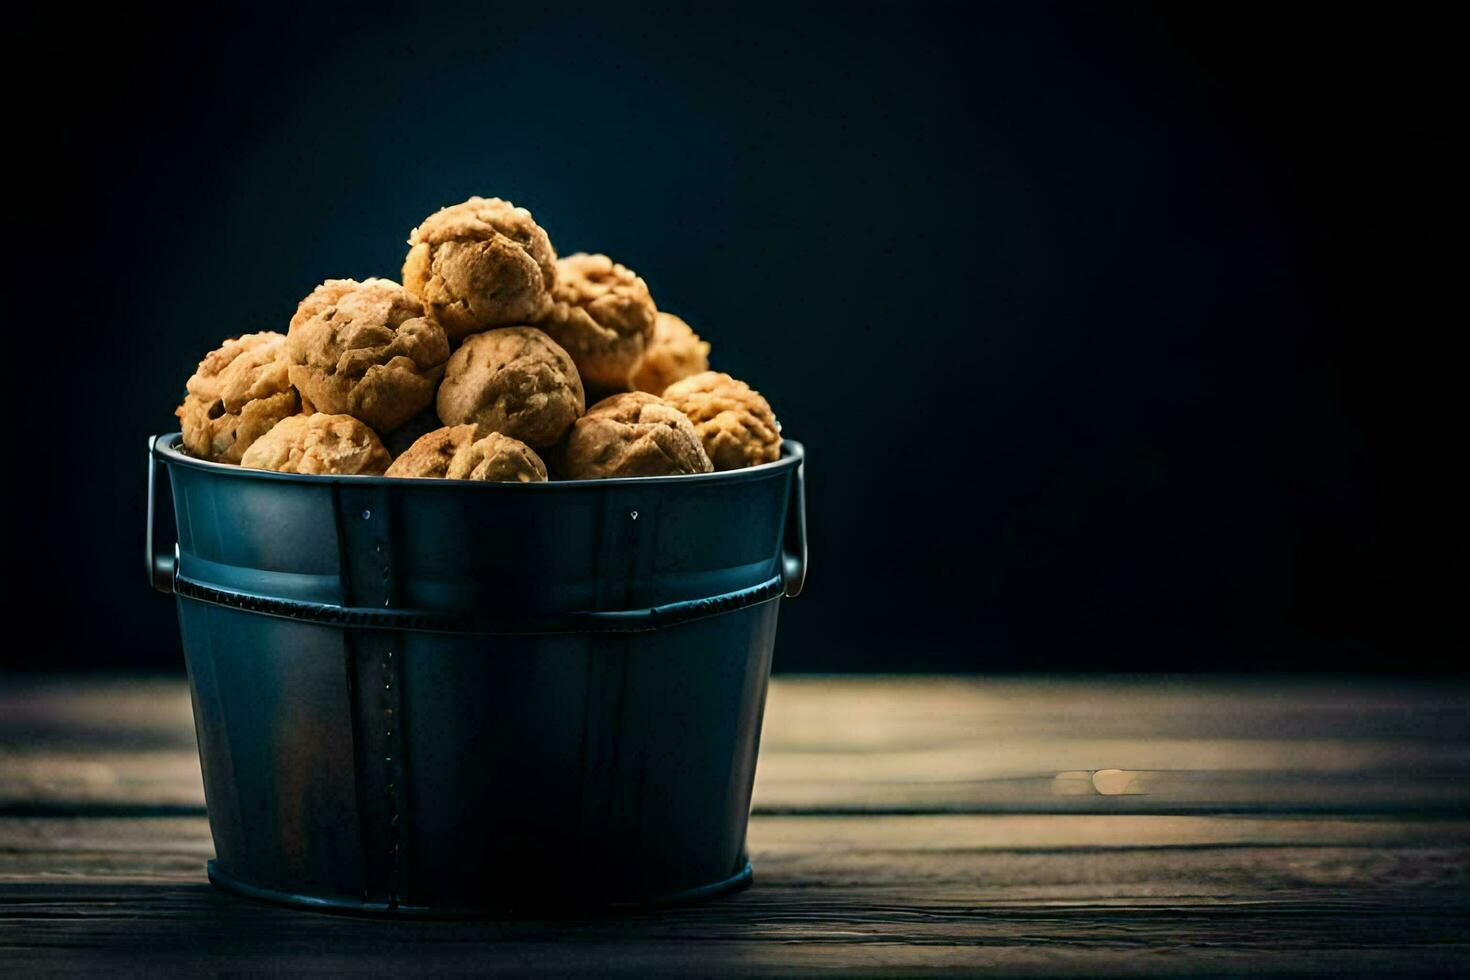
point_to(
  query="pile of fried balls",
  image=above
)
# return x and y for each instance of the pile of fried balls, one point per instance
(480, 366)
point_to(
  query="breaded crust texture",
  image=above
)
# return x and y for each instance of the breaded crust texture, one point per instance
(675, 353)
(480, 264)
(631, 434)
(515, 380)
(459, 452)
(320, 443)
(602, 313)
(735, 424)
(366, 349)
(236, 395)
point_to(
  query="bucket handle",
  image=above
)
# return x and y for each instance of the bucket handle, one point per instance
(163, 537)
(793, 551)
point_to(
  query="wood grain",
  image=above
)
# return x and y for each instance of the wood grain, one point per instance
(903, 827)
(897, 745)
(863, 894)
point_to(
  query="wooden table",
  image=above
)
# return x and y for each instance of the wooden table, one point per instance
(902, 826)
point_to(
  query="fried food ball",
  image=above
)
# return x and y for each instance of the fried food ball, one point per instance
(366, 349)
(458, 452)
(318, 443)
(481, 264)
(235, 395)
(675, 353)
(398, 441)
(631, 434)
(516, 381)
(735, 424)
(602, 314)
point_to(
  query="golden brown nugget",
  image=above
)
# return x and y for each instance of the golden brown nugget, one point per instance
(481, 264)
(398, 441)
(515, 380)
(458, 452)
(602, 314)
(366, 349)
(735, 424)
(675, 353)
(234, 397)
(631, 434)
(318, 443)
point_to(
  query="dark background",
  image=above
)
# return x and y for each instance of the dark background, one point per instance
(1120, 336)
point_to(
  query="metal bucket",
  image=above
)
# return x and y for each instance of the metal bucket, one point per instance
(451, 698)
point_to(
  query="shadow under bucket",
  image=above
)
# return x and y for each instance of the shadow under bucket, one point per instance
(439, 697)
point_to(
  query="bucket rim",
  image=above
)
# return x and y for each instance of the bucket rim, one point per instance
(166, 448)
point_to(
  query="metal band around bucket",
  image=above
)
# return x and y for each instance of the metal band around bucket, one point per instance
(161, 551)
(429, 621)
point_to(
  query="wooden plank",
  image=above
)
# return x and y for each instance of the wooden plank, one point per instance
(1134, 745)
(896, 745)
(907, 833)
(116, 712)
(867, 713)
(168, 782)
(867, 895)
(100, 781)
(1001, 887)
(890, 712)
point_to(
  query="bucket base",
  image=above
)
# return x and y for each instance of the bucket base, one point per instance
(227, 882)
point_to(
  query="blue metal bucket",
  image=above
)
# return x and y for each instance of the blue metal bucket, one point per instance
(452, 698)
